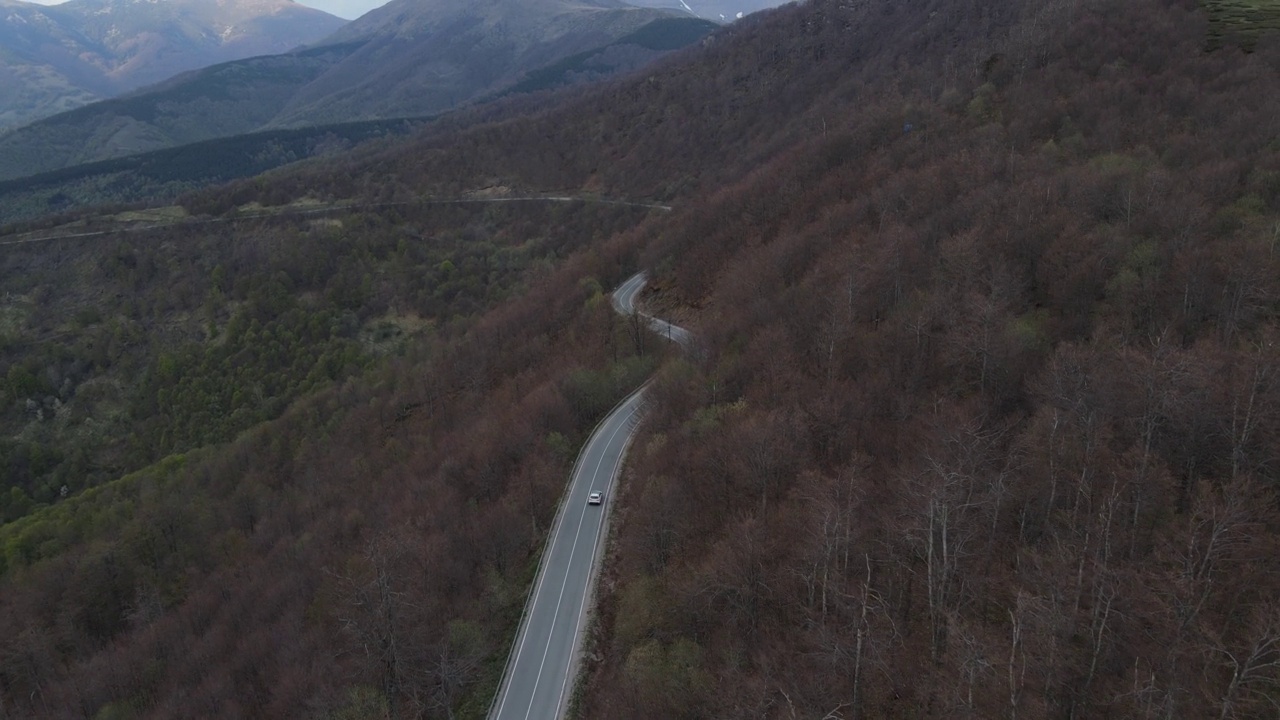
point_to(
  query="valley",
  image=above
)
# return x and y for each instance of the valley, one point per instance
(56, 58)
(396, 63)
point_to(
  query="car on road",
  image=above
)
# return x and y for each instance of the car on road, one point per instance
(595, 498)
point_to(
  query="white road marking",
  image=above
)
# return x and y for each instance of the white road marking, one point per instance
(525, 635)
(628, 416)
(572, 551)
(582, 611)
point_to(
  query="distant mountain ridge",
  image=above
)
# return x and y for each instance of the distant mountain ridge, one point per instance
(423, 56)
(409, 58)
(714, 10)
(60, 57)
(162, 175)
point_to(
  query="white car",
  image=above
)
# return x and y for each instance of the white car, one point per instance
(595, 498)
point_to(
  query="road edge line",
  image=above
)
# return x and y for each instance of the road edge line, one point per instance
(546, 547)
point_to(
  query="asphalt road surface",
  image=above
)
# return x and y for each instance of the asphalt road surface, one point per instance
(543, 665)
(624, 301)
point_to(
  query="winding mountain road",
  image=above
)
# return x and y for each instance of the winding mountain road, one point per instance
(542, 668)
(624, 301)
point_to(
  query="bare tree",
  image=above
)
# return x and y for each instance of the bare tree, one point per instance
(1254, 665)
(975, 662)
(1017, 665)
(453, 665)
(379, 617)
(962, 484)
(945, 537)
(1251, 405)
(1219, 525)
(27, 667)
(868, 647)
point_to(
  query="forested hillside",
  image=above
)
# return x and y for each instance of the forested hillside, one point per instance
(982, 424)
(985, 426)
(159, 177)
(420, 454)
(161, 341)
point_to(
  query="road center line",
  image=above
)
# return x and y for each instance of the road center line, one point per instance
(572, 551)
(582, 611)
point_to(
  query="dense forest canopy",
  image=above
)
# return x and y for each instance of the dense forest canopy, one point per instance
(395, 405)
(983, 423)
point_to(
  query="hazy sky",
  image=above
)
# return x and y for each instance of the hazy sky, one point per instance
(349, 9)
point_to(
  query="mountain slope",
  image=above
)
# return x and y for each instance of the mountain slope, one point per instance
(988, 297)
(982, 422)
(162, 175)
(421, 58)
(408, 58)
(55, 58)
(223, 100)
(714, 10)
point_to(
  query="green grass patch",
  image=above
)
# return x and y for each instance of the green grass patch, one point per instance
(1241, 22)
(169, 213)
(97, 512)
